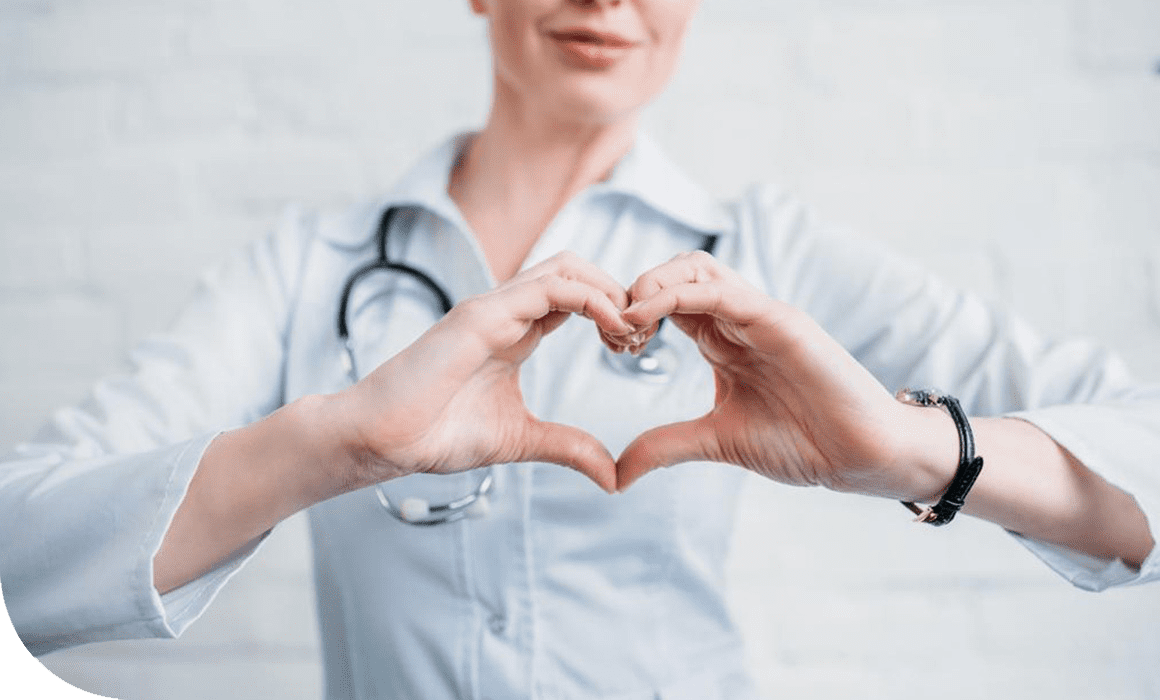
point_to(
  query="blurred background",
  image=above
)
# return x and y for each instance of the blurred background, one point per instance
(1011, 145)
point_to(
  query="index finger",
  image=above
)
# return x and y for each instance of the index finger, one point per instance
(693, 266)
(727, 302)
(534, 299)
(571, 266)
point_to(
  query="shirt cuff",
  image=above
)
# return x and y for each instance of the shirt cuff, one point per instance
(107, 520)
(178, 609)
(1116, 443)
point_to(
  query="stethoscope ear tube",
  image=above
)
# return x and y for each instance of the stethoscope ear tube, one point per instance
(385, 263)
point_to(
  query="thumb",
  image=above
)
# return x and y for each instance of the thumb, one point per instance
(665, 446)
(570, 446)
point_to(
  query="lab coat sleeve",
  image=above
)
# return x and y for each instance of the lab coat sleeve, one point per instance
(84, 506)
(911, 329)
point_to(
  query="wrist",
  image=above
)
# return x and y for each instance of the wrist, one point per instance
(323, 453)
(928, 453)
(248, 480)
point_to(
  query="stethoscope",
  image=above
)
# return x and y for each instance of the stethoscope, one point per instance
(657, 364)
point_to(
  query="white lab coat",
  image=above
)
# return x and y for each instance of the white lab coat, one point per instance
(562, 591)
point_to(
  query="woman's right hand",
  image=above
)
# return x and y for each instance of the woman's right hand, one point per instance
(451, 400)
(448, 402)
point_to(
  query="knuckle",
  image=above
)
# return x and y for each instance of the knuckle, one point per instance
(557, 290)
(647, 285)
(565, 262)
(550, 284)
(705, 266)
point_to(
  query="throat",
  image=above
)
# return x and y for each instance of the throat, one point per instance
(507, 221)
(509, 192)
(506, 244)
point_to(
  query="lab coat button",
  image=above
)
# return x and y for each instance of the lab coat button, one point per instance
(497, 624)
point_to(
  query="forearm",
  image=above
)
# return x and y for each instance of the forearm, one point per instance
(1033, 486)
(249, 480)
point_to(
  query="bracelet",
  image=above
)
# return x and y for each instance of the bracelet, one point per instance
(969, 465)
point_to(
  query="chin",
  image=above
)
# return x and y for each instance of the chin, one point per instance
(598, 102)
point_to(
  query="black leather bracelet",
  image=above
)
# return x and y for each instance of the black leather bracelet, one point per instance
(969, 465)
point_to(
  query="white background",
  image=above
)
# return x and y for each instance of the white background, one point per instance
(1012, 145)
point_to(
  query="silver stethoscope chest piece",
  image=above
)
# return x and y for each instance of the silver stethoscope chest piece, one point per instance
(419, 511)
(656, 364)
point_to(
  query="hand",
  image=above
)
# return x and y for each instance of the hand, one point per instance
(791, 403)
(451, 401)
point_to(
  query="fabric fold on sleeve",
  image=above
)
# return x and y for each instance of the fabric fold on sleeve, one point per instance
(910, 328)
(90, 578)
(182, 606)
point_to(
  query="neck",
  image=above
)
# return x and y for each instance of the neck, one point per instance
(522, 168)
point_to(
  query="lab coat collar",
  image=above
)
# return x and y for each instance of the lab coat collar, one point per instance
(645, 174)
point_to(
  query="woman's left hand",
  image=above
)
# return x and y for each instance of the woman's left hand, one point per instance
(791, 403)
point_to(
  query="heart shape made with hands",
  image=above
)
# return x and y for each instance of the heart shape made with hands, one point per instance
(709, 302)
(790, 402)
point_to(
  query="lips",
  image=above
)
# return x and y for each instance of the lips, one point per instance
(590, 36)
(589, 49)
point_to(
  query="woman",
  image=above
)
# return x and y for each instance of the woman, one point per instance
(561, 590)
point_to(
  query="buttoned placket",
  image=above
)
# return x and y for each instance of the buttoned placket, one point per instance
(505, 595)
(494, 552)
(500, 574)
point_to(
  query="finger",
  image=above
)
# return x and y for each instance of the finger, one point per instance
(634, 342)
(615, 343)
(638, 341)
(665, 446)
(553, 321)
(534, 299)
(572, 447)
(728, 302)
(571, 266)
(695, 266)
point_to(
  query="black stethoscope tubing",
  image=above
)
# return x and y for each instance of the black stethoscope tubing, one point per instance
(385, 263)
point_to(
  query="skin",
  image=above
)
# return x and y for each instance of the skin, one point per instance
(791, 403)
(553, 130)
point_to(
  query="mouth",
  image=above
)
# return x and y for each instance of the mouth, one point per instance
(581, 35)
(588, 49)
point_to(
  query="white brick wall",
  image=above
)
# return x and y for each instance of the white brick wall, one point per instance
(1013, 145)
